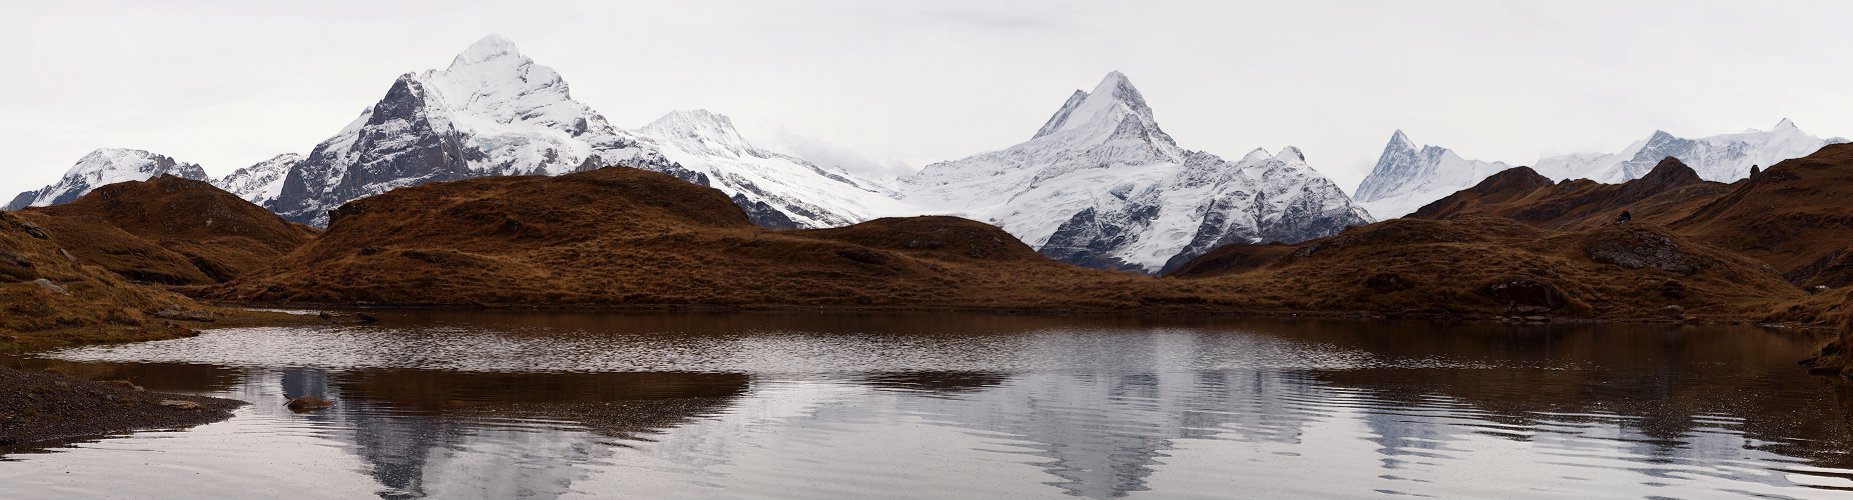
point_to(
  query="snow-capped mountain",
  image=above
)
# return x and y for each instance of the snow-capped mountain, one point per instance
(1408, 176)
(1101, 185)
(776, 190)
(491, 112)
(260, 183)
(103, 167)
(1721, 158)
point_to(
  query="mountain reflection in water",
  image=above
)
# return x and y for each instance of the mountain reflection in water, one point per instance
(453, 405)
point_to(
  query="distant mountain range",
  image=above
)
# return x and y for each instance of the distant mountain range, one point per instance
(1100, 184)
(1407, 177)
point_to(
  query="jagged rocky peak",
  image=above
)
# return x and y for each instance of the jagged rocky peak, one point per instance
(103, 167)
(493, 111)
(1114, 110)
(262, 182)
(1785, 124)
(1408, 176)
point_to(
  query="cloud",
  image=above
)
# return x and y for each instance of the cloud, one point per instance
(819, 151)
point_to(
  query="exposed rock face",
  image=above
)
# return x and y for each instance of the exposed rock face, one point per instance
(1407, 176)
(261, 183)
(491, 112)
(1101, 185)
(1637, 247)
(104, 167)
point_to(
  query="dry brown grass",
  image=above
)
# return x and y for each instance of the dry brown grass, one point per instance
(100, 306)
(169, 231)
(622, 237)
(1449, 268)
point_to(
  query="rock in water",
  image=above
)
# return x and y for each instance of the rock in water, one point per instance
(307, 404)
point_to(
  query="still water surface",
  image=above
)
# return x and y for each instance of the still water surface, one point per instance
(503, 405)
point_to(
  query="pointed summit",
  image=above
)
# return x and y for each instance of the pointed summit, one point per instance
(489, 48)
(1291, 154)
(1401, 140)
(1113, 112)
(1785, 124)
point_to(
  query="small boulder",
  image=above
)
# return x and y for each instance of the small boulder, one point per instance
(1673, 312)
(178, 314)
(1524, 295)
(1386, 283)
(49, 286)
(14, 258)
(307, 404)
(182, 404)
(33, 230)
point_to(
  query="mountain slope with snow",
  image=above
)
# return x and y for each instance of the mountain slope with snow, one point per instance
(262, 182)
(1720, 158)
(776, 190)
(104, 167)
(1406, 177)
(493, 111)
(1101, 185)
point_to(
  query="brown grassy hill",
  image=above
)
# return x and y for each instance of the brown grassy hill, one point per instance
(170, 231)
(1668, 192)
(51, 297)
(620, 237)
(1797, 216)
(1472, 265)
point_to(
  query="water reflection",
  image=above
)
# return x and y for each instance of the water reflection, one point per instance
(698, 406)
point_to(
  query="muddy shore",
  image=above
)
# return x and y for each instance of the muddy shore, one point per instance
(42, 407)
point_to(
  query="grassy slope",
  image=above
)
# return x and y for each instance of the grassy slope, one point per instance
(169, 231)
(621, 237)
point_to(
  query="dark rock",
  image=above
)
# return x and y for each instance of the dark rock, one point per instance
(863, 256)
(369, 250)
(1522, 292)
(11, 257)
(1636, 248)
(33, 230)
(1673, 289)
(366, 318)
(307, 404)
(1386, 283)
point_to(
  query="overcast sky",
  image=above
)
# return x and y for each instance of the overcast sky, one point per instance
(879, 83)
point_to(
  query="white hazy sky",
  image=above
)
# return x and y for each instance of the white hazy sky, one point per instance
(227, 84)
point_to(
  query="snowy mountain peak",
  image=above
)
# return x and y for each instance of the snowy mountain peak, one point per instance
(489, 48)
(1101, 185)
(103, 167)
(1785, 124)
(1399, 140)
(1408, 176)
(1113, 111)
(262, 182)
(1291, 154)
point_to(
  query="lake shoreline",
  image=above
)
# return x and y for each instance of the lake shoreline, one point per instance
(44, 407)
